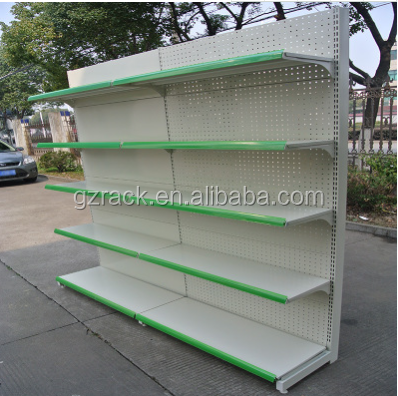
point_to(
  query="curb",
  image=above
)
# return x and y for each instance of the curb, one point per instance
(371, 229)
(58, 177)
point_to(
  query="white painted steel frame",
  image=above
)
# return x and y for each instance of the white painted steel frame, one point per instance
(285, 98)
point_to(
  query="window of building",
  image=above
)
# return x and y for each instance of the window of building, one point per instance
(393, 54)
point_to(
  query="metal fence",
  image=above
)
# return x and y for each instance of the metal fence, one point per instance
(40, 132)
(366, 137)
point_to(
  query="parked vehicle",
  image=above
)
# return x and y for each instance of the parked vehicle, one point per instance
(16, 166)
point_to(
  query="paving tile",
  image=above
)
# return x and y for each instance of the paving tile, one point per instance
(41, 264)
(25, 311)
(67, 362)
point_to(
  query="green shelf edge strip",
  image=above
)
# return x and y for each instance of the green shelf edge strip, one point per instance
(189, 340)
(81, 145)
(96, 297)
(278, 145)
(280, 298)
(178, 71)
(225, 213)
(209, 349)
(202, 67)
(208, 145)
(69, 91)
(95, 242)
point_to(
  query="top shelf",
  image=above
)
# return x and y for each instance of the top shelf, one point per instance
(237, 65)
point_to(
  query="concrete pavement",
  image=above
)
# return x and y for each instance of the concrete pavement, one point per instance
(54, 341)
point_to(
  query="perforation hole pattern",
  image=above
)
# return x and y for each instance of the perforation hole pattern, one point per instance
(309, 34)
(266, 105)
(261, 112)
(294, 74)
(306, 318)
(301, 170)
(304, 248)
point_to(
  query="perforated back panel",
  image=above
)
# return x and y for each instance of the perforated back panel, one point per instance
(273, 172)
(295, 103)
(257, 106)
(306, 318)
(311, 34)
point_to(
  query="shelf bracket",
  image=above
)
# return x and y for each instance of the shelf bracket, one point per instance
(160, 89)
(328, 148)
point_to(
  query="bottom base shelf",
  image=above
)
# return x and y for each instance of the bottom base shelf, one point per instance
(118, 291)
(262, 350)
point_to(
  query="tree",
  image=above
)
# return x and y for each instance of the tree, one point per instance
(15, 90)
(359, 13)
(68, 35)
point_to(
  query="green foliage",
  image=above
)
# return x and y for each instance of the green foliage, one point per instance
(357, 23)
(384, 166)
(15, 90)
(69, 35)
(373, 191)
(61, 160)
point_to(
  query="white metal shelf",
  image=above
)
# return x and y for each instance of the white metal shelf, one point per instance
(275, 283)
(238, 65)
(282, 145)
(277, 215)
(268, 281)
(119, 291)
(116, 239)
(272, 352)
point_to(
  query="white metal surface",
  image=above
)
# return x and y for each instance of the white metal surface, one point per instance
(144, 271)
(144, 220)
(298, 35)
(341, 34)
(298, 103)
(135, 167)
(294, 215)
(306, 317)
(262, 346)
(148, 62)
(137, 64)
(305, 369)
(327, 145)
(123, 290)
(132, 241)
(289, 283)
(125, 120)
